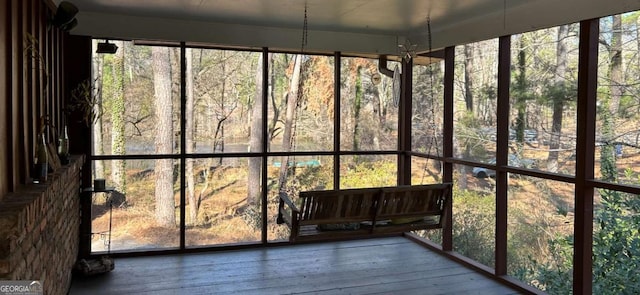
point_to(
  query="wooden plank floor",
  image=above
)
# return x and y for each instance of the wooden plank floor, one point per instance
(374, 266)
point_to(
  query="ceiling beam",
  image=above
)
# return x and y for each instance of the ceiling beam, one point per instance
(99, 25)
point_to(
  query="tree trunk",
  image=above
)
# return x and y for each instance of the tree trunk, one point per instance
(190, 143)
(607, 151)
(118, 167)
(558, 98)
(468, 80)
(292, 101)
(357, 105)
(377, 125)
(521, 106)
(255, 143)
(98, 136)
(468, 99)
(274, 105)
(221, 115)
(638, 40)
(615, 57)
(165, 202)
(346, 109)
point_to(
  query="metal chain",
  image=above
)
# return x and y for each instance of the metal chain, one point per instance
(432, 123)
(432, 93)
(305, 38)
(305, 33)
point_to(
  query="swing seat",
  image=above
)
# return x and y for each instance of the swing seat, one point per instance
(354, 213)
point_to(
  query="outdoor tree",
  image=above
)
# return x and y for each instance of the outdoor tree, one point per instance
(616, 243)
(558, 96)
(289, 125)
(189, 137)
(255, 144)
(468, 78)
(165, 202)
(357, 107)
(277, 82)
(98, 137)
(521, 93)
(316, 106)
(468, 99)
(615, 66)
(118, 167)
(223, 104)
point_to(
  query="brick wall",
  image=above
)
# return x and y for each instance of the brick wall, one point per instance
(39, 230)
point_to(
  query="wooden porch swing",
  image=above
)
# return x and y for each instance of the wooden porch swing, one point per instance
(350, 213)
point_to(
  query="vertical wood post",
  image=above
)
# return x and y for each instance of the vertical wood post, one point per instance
(183, 143)
(447, 143)
(502, 153)
(585, 149)
(404, 123)
(265, 142)
(337, 92)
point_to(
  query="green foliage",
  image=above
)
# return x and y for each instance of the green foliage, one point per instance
(616, 238)
(84, 101)
(370, 174)
(488, 92)
(616, 251)
(310, 178)
(474, 225)
(557, 92)
(607, 152)
(616, 245)
(474, 142)
(628, 106)
(555, 276)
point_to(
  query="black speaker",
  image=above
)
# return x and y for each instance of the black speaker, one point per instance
(65, 16)
(106, 47)
(70, 25)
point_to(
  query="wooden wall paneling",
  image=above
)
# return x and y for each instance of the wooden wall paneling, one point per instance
(27, 94)
(50, 103)
(60, 78)
(54, 72)
(19, 136)
(39, 62)
(50, 63)
(54, 78)
(43, 73)
(49, 57)
(11, 88)
(53, 107)
(41, 69)
(34, 107)
(5, 98)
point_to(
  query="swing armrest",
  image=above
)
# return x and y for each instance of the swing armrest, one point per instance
(287, 215)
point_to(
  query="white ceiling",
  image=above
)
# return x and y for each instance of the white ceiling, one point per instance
(357, 26)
